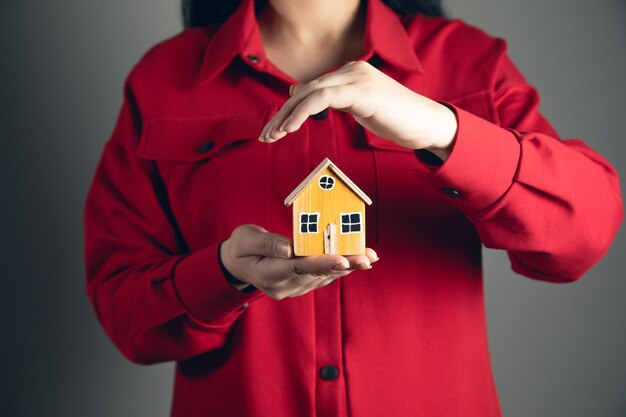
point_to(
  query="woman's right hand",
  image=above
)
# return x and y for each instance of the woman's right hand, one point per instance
(265, 260)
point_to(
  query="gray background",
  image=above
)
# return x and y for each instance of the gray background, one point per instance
(558, 350)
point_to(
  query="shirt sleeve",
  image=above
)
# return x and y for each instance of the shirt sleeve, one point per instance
(156, 300)
(554, 205)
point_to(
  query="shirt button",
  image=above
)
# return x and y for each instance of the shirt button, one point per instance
(451, 192)
(243, 307)
(253, 58)
(329, 372)
(321, 115)
(206, 146)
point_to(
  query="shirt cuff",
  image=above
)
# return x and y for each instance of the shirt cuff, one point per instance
(479, 169)
(204, 291)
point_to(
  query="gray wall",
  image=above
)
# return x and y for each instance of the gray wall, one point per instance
(558, 350)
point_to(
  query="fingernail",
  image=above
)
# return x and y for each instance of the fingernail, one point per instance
(283, 248)
(364, 266)
(263, 135)
(291, 89)
(339, 267)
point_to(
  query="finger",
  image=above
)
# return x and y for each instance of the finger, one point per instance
(293, 283)
(371, 254)
(312, 286)
(286, 286)
(294, 88)
(286, 276)
(338, 97)
(295, 286)
(282, 269)
(327, 80)
(272, 129)
(252, 240)
(359, 262)
(317, 282)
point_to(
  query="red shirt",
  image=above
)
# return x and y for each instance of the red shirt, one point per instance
(183, 168)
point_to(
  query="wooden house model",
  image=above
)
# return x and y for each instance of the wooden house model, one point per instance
(328, 213)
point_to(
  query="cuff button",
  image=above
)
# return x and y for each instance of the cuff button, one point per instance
(206, 146)
(451, 192)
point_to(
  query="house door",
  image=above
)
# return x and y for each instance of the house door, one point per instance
(330, 239)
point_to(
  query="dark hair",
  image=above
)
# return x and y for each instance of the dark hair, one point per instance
(204, 12)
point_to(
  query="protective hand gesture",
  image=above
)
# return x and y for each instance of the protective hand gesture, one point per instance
(377, 102)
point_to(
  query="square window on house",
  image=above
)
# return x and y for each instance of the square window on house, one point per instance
(308, 222)
(350, 222)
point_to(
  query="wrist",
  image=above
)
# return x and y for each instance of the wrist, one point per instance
(444, 133)
(237, 283)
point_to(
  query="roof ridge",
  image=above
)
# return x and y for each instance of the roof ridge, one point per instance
(326, 163)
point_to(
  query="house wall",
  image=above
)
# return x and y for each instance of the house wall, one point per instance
(329, 203)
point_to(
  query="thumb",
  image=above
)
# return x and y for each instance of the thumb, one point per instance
(256, 241)
(292, 89)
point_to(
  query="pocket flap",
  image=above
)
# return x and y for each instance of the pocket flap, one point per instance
(198, 138)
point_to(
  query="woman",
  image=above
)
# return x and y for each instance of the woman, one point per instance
(188, 249)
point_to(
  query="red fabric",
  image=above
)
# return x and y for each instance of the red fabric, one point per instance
(409, 336)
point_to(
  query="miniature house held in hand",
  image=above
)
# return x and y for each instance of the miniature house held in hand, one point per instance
(328, 213)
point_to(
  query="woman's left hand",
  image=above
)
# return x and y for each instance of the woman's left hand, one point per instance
(377, 102)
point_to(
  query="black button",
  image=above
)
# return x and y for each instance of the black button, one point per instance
(253, 58)
(451, 192)
(321, 115)
(329, 372)
(243, 307)
(206, 146)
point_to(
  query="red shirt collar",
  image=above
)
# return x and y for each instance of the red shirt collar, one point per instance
(239, 35)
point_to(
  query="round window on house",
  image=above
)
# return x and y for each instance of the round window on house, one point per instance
(326, 182)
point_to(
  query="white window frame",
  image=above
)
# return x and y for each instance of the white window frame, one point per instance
(317, 223)
(341, 223)
(327, 176)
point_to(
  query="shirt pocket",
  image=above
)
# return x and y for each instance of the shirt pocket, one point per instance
(212, 169)
(195, 139)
